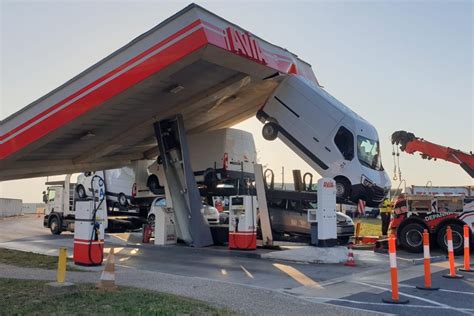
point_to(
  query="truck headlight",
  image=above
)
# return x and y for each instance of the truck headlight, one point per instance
(366, 181)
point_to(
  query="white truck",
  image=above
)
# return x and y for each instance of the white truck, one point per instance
(60, 209)
(216, 157)
(60, 205)
(329, 136)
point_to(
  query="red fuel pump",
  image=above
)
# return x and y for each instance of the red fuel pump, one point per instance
(243, 222)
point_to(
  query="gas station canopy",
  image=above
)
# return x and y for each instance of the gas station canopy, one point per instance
(194, 63)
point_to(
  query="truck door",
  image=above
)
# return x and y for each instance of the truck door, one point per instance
(54, 200)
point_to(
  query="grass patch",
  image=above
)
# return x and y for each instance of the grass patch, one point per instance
(25, 297)
(30, 260)
(370, 226)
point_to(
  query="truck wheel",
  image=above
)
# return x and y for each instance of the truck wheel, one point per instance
(154, 184)
(411, 237)
(458, 240)
(122, 199)
(55, 226)
(270, 131)
(343, 187)
(81, 192)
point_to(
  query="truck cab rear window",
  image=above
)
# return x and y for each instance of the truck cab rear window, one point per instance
(344, 141)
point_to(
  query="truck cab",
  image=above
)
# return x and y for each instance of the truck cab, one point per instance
(59, 212)
(329, 136)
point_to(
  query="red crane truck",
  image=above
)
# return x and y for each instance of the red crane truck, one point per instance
(414, 213)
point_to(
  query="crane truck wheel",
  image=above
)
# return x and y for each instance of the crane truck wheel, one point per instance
(411, 237)
(270, 131)
(81, 192)
(343, 187)
(122, 199)
(55, 225)
(458, 239)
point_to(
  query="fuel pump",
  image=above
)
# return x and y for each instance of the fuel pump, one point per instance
(165, 229)
(90, 225)
(323, 220)
(243, 222)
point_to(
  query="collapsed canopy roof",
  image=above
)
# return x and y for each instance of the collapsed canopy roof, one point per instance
(194, 63)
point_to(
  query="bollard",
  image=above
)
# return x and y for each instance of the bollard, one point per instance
(452, 271)
(467, 264)
(61, 275)
(392, 250)
(427, 259)
(357, 232)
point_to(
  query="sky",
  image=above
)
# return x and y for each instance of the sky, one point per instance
(402, 65)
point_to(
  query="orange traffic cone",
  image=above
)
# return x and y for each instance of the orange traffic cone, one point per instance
(467, 264)
(452, 270)
(392, 251)
(107, 278)
(350, 257)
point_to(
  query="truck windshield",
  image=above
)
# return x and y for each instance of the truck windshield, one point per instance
(368, 152)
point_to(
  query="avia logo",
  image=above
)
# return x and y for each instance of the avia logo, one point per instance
(328, 185)
(244, 44)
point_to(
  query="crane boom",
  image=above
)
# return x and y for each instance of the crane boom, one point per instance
(409, 143)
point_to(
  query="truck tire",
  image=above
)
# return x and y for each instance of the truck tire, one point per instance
(458, 239)
(411, 237)
(81, 192)
(122, 199)
(343, 187)
(270, 131)
(154, 184)
(55, 225)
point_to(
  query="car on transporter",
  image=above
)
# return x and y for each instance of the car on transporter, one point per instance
(414, 213)
(329, 136)
(118, 185)
(217, 156)
(289, 218)
(209, 212)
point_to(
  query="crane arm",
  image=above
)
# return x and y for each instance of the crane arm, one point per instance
(409, 143)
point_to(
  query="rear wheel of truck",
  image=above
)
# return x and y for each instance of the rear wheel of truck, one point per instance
(122, 199)
(55, 226)
(154, 184)
(270, 131)
(458, 239)
(411, 237)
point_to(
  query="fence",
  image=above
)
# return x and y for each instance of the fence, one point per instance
(10, 207)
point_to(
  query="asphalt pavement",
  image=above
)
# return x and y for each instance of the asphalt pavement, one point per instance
(360, 288)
